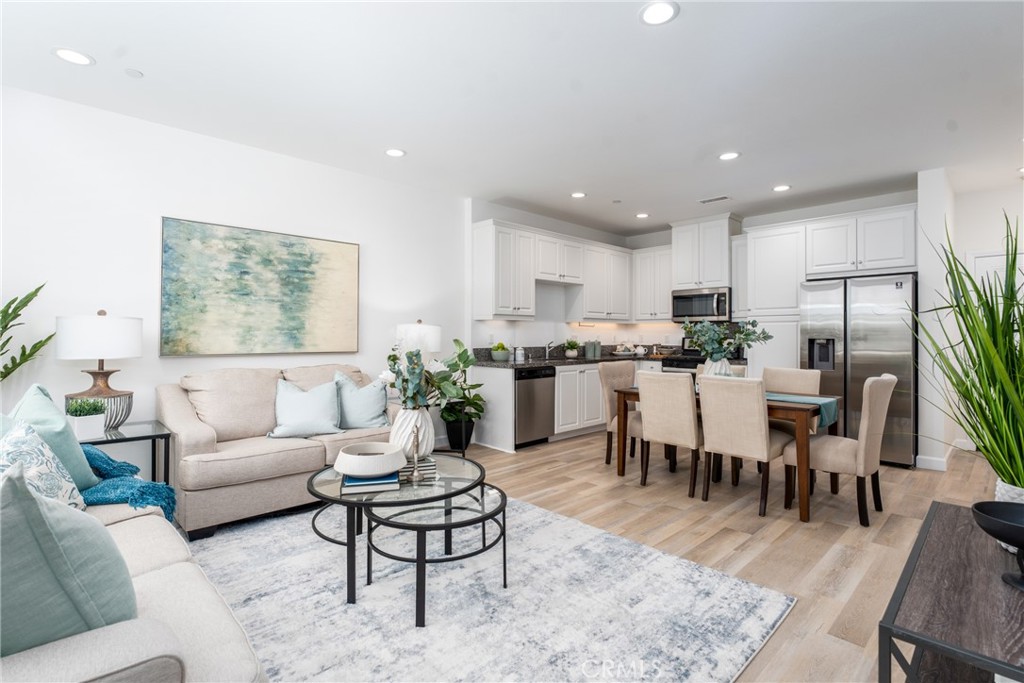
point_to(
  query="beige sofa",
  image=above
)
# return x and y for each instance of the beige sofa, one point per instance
(222, 464)
(184, 630)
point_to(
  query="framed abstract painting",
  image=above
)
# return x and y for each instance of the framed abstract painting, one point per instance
(233, 291)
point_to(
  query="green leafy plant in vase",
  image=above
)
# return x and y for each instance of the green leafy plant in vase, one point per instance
(717, 342)
(572, 348)
(974, 341)
(87, 417)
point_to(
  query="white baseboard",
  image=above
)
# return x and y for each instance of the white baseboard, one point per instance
(931, 462)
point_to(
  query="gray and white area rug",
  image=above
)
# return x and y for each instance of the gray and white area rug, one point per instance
(581, 605)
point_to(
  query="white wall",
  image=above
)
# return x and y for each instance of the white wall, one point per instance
(979, 218)
(83, 193)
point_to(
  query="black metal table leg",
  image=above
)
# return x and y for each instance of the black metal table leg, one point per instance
(421, 578)
(369, 552)
(351, 514)
(504, 552)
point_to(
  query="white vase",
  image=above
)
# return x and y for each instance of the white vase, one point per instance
(1008, 493)
(717, 367)
(89, 427)
(403, 428)
(571, 353)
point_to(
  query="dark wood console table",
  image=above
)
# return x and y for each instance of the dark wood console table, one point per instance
(951, 604)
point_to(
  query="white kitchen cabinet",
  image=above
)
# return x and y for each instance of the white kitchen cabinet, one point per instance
(606, 285)
(781, 351)
(579, 401)
(503, 272)
(559, 260)
(648, 366)
(740, 298)
(700, 252)
(775, 268)
(864, 241)
(652, 284)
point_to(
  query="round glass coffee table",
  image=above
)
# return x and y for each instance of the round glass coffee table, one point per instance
(455, 476)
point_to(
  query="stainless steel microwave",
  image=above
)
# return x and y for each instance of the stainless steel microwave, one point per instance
(702, 304)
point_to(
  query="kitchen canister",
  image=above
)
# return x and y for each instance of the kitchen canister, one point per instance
(520, 354)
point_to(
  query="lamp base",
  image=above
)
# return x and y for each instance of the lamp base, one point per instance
(119, 403)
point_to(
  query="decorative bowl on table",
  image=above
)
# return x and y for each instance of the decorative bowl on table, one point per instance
(500, 356)
(1004, 522)
(371, 459)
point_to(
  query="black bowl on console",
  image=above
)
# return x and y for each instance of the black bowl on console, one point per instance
(1004, 522)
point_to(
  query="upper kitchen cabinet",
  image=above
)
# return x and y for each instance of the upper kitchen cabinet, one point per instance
(652, 284)
(559, 260)
(504, 283)
(700, 252)
(740, 297)
(606, 286)
(775, 268)
(865, 241)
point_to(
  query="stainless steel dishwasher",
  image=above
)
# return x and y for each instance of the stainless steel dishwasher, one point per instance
(535, 404)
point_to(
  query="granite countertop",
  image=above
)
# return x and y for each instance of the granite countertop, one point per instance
(555, 362)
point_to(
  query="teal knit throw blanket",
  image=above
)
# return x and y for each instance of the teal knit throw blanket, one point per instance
(118, 484)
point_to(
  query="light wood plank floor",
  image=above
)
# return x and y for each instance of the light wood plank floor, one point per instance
(842, 574)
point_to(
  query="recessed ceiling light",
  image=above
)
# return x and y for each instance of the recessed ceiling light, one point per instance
(781, 188)
(656, 13)
(395, 153)
(133, 73)
(642, 215)
(73, 56)
(578, 195)
(729, 156)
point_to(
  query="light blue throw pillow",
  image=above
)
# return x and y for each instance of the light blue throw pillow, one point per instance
(60, 569)
(36, 408)
(361, 407)
(306, 413)
(44, 472)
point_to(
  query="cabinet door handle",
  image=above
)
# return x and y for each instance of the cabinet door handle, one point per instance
(853, 263)
(860, 261)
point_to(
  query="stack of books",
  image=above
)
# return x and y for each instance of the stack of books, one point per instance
(387, 482)
(428, 468)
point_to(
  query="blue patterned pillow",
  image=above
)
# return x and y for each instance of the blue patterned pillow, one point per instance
(44, 472)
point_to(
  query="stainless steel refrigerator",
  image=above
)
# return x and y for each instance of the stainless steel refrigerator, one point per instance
(855, 328)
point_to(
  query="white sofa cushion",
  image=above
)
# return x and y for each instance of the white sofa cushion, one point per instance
(148, 543)
(309, 376)
(237, 402)
(252, 459)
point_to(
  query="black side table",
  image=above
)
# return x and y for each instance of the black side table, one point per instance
(151, 431)
(951, 604)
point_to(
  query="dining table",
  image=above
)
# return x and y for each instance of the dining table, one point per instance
(800, 414)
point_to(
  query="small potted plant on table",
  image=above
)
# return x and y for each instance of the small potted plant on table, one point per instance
(572, 348)
(87, 417)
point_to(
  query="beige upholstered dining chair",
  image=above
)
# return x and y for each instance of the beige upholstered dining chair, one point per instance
(791, 381)
(619, 374)
(735, 416)
(670, 418)
(860, 457)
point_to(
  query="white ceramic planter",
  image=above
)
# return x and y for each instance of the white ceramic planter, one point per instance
(721, 368)
(402, 431)
(1010, 494)
(89, 427)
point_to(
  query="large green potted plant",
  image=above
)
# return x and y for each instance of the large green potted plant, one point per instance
(461, 404)
(10, 312)
(975, 344)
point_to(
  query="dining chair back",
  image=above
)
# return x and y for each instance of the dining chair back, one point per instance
(618, 374)
(670, 418)
(791, 381)
(860, 457)
(735, 417)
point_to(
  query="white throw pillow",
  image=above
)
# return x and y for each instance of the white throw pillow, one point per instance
(306, 413)
(361, 407)
(44, 472)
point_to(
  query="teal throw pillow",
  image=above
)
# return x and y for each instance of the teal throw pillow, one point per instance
(44, 472)
(361, 407)
(37, 409)
(61, 572)
(306, 413)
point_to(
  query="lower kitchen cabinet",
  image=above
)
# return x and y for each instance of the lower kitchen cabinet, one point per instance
(579, 402)
(648, 365)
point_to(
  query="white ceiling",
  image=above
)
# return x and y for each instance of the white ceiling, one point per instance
(522, 103)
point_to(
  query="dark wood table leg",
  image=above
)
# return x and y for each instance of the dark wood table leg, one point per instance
(803, 465)
(421, 577)
(620, 455)
(350, 551)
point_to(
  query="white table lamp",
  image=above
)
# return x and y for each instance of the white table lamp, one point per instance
(412, 336)
(101, 337)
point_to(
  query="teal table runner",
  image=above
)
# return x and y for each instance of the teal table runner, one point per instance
(829, 406)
